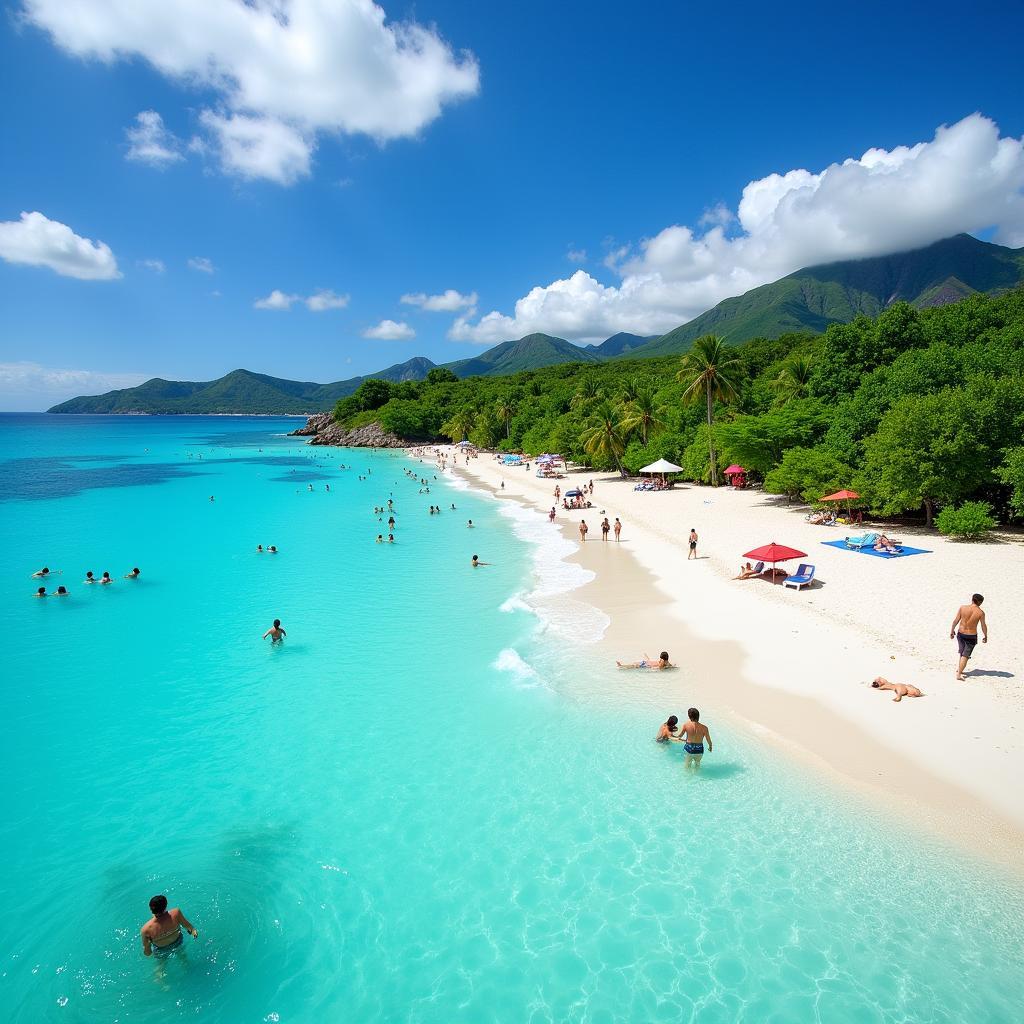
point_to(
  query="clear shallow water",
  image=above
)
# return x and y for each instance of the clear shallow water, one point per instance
(420, 807)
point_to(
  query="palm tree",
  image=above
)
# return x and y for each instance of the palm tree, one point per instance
(710, 370)
(794, 377)
(459, 425)
(587, 393)
(631, 387)
(643, 413)
(505, 408)
(605, 438)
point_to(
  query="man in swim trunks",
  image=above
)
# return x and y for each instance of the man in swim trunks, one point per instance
(693, 544)
(694, 735)
(161, 934)
(965, 631)
(900, 689)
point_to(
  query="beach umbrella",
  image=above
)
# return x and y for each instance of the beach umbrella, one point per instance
(734, 469)
(574, 493)
(774, 553)
(846, 496)
(662, 466)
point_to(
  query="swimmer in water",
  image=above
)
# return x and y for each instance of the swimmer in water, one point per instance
(89, 578)
(259, 549)
(391, 538)
(469, 525)
(476, 561)
(668, 730)
(41, 574)
(657, 664)
(276, 633)
(161, 934)
(380, 538)
(61, 592)
(106, 578)
(41, 592)
(272, 550)
(133, 575)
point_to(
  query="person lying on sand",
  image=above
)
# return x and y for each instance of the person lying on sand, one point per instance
(746, 572)
(657, 664)
(884, 544)
(900, 689)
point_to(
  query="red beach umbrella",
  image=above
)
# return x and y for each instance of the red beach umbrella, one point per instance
(734, 469)
(774, 553)
(840, 496)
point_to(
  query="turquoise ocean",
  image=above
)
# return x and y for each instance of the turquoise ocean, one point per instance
(431, 803)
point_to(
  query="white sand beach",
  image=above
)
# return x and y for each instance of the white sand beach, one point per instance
(795, 667)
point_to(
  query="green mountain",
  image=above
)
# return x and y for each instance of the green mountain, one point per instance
(240, 391)
(811, 299)
(621, 343)
(529, 353)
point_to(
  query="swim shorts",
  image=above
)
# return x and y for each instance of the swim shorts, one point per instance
(167, 950)
(966, 642)
(694, 748)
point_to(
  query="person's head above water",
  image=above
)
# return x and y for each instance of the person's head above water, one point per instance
(694, 715)
(664, 655)
(673, 721)
(277, 623)
(41, 592)
(977, 599)
(158, 905)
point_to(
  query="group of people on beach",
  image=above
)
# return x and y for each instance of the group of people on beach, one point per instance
(62, 591)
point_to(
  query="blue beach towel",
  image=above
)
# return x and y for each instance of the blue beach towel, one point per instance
(841, 544)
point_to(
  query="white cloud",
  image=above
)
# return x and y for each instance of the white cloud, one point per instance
(576, 255)
(449, 301)
(966, 179)
(318, 302)
(277, 300)
(259, 147)
(37, 241)
(150, 142)
(157, 266)
(202, 264)
(282, 71)
(30, 386)
(325, 299)
(388, 330)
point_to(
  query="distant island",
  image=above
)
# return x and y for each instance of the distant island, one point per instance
(807, 301)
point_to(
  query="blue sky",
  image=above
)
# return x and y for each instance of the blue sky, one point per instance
(530, 143)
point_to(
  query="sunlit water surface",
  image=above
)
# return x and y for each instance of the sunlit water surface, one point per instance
(427, 804)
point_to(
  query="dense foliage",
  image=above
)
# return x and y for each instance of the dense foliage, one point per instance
(915, 409)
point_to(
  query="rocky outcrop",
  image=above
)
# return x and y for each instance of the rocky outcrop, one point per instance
(321, 429)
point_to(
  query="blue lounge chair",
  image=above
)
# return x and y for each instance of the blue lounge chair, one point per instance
(859, 543)
(803, 575)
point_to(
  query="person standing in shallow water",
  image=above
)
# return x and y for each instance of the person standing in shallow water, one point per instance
(584, 529)
(694, 735)
(161, 934)
(276, 633)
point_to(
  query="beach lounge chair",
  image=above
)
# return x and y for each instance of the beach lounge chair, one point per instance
(803, 575)
(859, 543)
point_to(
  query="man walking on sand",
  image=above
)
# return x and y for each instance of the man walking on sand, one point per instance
(693, 544)
(965, 630)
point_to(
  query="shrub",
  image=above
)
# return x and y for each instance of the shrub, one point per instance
(971, 519)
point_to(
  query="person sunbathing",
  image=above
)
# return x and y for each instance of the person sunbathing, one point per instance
(747, 572)
(882, 543)
(656, 664)
(900, 689)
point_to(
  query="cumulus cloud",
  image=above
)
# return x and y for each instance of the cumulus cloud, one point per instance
(157, 266)
(150, 142)
(449, 301)
(30, 386)
(324, 300)
(202, 264)
(276, 300)
(388, 330)
(282, 71)
(966, 179)
(37, 241)
(318, 302)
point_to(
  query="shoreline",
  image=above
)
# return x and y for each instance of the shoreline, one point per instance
(867, 750)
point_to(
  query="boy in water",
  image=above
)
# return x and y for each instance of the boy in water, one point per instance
(276, 633)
